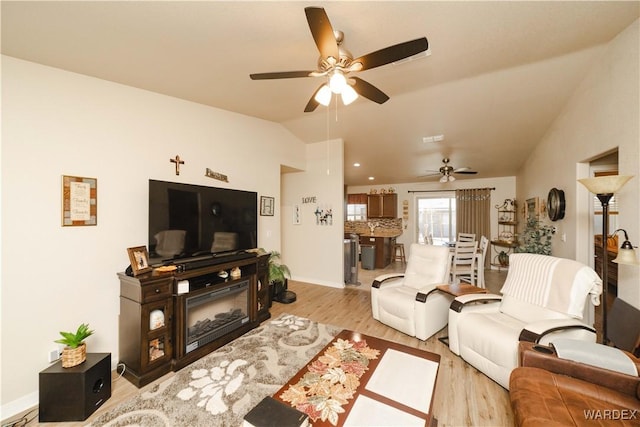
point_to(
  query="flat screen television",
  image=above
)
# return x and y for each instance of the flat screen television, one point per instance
(187, 220)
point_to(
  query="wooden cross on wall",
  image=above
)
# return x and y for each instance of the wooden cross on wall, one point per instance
(178, 162)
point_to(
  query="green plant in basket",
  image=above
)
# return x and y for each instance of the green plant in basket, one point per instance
(73, 340)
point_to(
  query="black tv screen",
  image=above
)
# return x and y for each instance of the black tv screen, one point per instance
(187, 220)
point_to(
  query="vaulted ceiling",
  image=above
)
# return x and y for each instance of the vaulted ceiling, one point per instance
(497, 75)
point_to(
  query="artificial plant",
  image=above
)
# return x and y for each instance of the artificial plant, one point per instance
(74, 340)
(536, 238)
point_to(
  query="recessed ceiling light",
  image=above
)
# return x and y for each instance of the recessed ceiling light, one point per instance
(356, 165)
(371, 178)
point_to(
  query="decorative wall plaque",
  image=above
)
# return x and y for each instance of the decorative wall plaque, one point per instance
(215, 175)
(79, 201)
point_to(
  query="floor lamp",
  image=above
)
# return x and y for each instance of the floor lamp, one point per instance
(604, 187)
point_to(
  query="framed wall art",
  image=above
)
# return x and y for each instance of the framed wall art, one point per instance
(296, 215)
(79, 201)
(266, 205)
(139, 259)
(533, 209)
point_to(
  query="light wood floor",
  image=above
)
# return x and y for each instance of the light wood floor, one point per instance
(464, 396)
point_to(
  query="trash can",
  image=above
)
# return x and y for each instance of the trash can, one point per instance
(368, 256)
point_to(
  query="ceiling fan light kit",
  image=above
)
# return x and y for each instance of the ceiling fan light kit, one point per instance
(349, 95)
(336, 62)
(323, 96)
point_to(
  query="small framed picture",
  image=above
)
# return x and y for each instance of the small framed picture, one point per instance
(79, 201)
(266, 205)
(139, 258)
(296, 215)
(533, 209)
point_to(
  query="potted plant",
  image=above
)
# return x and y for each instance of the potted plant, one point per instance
(75, 350)
(278, 274)
(536, 238)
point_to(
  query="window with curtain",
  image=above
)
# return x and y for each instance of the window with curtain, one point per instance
(436, 217)
(474, 211)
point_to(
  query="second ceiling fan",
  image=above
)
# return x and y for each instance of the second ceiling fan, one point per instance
(337, 63)
(447, 172)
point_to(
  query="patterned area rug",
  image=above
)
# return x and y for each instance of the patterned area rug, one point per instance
(220, 388)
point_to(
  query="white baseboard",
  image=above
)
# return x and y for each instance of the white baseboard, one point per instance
(318, 282)
(18, 406)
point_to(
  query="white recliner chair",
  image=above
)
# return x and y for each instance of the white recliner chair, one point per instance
(543, 298)
(410, 302)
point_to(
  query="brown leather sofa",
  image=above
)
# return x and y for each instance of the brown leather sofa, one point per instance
(550, 391)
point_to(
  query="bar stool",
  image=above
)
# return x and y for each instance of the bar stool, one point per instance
(398, 253)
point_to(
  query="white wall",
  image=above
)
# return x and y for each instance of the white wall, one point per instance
(505, 188)
(57, 123)
(602, 115)
(314, 253)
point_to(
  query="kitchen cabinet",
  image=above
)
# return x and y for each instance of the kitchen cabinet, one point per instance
(382, 205)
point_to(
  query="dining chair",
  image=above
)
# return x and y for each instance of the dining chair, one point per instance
(466, 237)
(481, 255)
(464, 261)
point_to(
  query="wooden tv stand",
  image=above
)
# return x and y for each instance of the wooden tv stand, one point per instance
(150, 353)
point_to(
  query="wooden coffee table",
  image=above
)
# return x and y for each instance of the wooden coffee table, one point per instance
(396, 387)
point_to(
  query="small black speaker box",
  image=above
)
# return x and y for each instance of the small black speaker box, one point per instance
(73, 394)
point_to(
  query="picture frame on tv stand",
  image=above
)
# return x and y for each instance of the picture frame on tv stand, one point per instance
(139, 259)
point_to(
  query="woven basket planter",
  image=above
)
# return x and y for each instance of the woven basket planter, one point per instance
(74, 356)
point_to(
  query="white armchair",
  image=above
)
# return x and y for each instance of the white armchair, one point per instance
(543, 298)
(410, 302)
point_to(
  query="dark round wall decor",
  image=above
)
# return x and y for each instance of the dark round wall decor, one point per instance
(555, 204)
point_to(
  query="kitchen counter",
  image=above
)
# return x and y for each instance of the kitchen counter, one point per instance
(382, 233)
(384, 242)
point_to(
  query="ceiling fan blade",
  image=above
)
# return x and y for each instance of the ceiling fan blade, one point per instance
(322, 32)
(465, 172)
(280, 75)
(369, 91)
(393, 53)
(429, 174)
(313, 104)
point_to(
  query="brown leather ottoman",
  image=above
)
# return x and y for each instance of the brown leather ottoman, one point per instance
(547, 390)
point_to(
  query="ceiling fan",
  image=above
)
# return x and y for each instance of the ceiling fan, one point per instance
(336, 63)
(447, 172)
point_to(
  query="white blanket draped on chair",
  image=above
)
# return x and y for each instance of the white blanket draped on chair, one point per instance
(572, 283)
